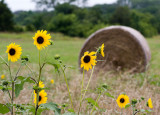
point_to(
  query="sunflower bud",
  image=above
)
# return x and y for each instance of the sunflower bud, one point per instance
(60, 61)
(51, 42)
(57, 57)
(25, 58)
(21, 108)
(142, 98)
(134, 101)
(4, 89)
(5, 83)
(99, 50)
(18, 106)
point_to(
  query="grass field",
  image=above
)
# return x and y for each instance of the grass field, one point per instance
(145, 84)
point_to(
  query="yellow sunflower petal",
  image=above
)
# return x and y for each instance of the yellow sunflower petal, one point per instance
(14, 52)
(41, 39)
(87, 60)
(150, 103)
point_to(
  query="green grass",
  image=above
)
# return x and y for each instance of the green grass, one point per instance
(145, 84)
(68, 48)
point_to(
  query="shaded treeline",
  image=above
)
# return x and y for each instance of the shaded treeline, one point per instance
(73, 20)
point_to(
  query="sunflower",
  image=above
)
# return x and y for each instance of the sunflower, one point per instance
(2, 76)
(41, 39)
(14, 52)
(42, 97)
(102, 50)
(122, 100)
(149, 103)
(88, 60)
(52, 81)
(41, 85)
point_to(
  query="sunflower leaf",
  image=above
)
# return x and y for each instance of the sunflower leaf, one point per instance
(31, 109)
(109, 95)
(4, 109)
(53, 107)
(128, 105)
(19, 85)
(92, 101)
(56, 66)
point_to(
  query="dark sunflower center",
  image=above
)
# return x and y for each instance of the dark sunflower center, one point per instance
(40, 98)
(12, 51)
(40, 40)
(87, 59)
(122, 100)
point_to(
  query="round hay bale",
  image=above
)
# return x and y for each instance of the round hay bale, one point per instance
(125, 49)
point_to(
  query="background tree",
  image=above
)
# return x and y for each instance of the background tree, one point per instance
(53, 3)
(6, 17)
(121, 16)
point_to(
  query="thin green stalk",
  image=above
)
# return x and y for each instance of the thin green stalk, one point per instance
(121, 111)
(38, 84)
(30, 70)
(67, 87)
(45, 55)
(12, 98)
(81, 90)
(82, 85)
(86, 89)
(95, 103)
(4, 60)
(133, 109)
(17, 72)
(9, 94)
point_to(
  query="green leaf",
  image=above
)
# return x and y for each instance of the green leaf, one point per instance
(53, 107)
(3, 109)
(93, 102)
(19, 85)
(71, 110)
(56, 66)
(128, 105)
(31, 109)
(1, 86)
(109, 95)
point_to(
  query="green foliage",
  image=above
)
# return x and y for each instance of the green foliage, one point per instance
(77, 21)
(109, 95)
(3, 109)
(52, 106)
(19, 85)
(92, 102)
(121, 16)
(6, 17)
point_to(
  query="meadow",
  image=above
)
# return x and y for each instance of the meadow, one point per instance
(135, 86)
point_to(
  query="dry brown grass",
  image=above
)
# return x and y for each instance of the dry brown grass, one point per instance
(119, 83)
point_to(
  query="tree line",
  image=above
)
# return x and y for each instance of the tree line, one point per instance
(70, 19)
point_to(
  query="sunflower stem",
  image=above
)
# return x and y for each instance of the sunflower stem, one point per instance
(87, 86)
(82, 85)
(121, 111)
(17, 73)
(38, 83)
(67, 87)
(30, 70)
(4, 60)
(86, 90)
(95, 103)
(133, 109)
(12, 98)
(9, 93)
